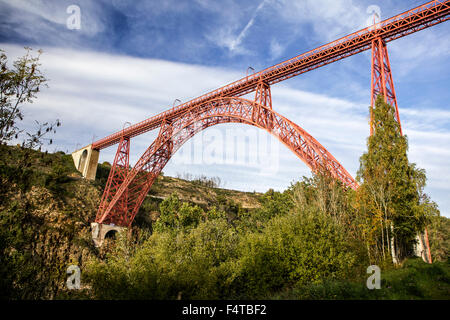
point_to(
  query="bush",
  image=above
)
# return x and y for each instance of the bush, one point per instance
(414, 280)
(167, 265)
(297, 248)
(194, 255)
(176, 215)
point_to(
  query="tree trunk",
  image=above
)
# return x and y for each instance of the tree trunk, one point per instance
(393, 251)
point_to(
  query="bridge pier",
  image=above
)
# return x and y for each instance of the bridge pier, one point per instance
(101, 231)
(422, 247)
(86, 161)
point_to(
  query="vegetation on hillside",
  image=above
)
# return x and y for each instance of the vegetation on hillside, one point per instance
(198, 255)
(31, 186)
(45, 211)
(299, 238)
(415, 280)
(314, 235)
(193, 240)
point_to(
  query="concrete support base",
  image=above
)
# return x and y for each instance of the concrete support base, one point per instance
(86, 161)
(101, 231)
(421, 248)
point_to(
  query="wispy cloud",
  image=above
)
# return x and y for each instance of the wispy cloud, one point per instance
(417, 49)
(329, 19)
(226, 35)
(50, 16)
(244, 31)
(276, 49)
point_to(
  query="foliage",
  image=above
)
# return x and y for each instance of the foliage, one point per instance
(414, 280)
(197, 255)
(24, 168)
(20, 84)
(101, 176)
(38, 227)
(327, 195)
(390, 199)
(27, 270)
(167, 266)
(176, 215)
(307, 242)
(306, 238)
(439, 238)
(274, 203)
(299, 247)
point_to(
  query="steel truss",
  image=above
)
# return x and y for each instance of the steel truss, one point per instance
(419, 18)
(382, 83)
(174, 134)
(126, 188)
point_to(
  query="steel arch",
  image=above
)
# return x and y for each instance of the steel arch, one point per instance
(174, 133)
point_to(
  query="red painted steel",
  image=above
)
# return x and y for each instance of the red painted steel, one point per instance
(126, 189)
(382, 82)
(117, 175)
(428, 249)
(263, 97)
(411, 21)
(174, 133)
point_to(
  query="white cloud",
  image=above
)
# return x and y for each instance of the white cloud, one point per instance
(276, 49)
(329, 19)
(95, 94)
(418, 49)
(230, 34)
(55, 13)
(236, 42)
(92, 20)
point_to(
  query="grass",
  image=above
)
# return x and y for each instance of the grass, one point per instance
(414, 280)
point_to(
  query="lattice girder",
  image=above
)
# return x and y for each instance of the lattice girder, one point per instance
(223, 110)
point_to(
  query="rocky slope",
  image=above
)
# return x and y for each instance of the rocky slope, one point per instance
(45, 212)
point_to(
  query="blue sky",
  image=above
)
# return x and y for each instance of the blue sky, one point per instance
(132, 59)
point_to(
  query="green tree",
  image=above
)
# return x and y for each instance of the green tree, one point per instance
(439, 233)
(274, 203)
(293, 249)
(176, 215)
(19, 170)
(326, 194)
(20, 84)
(391, 197)
(189, 264)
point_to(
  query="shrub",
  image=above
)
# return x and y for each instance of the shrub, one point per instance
(167, 265)
(297, 248)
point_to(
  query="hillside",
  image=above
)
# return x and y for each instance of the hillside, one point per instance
(46, 208)
(195, 191)
(45, 212)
